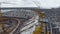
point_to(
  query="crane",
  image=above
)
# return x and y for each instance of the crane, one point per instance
(38, 28)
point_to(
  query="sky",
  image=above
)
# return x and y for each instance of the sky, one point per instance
(31, 3)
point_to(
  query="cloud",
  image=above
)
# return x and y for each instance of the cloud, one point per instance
(30, 3)
(49, 3)
(18, 3)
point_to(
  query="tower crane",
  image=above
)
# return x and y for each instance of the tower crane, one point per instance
(38, 28)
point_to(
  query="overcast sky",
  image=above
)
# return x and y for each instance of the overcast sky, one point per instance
(31, 3)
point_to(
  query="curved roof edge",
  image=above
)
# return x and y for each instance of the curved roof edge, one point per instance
(20, 8)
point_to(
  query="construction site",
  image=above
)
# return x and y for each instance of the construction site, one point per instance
(29, 20)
